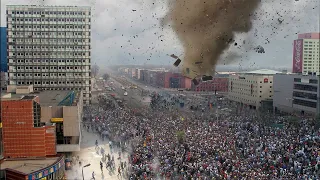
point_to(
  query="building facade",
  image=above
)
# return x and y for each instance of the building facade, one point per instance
(63, 108)
(251, 88)
(306, 57)
(23, 133)
(50, 47)
(3, 49)
(171, 80)
(45, 168)
(296, 93)
(219, 84)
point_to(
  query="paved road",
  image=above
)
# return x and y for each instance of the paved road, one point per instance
(88, 155)
(134, 99)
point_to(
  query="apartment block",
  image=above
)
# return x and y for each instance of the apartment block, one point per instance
(50, 47)
(251, 88)
(306, 59)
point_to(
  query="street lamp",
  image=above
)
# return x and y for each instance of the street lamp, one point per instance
(84, 167)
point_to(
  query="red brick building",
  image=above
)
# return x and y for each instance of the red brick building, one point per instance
(219, 84)
(172, 80)
(23, 133)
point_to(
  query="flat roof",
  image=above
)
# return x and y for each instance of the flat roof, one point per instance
(47, 98)
(28, 166)
(52, 98)
(263, 71)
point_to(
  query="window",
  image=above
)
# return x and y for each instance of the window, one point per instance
(313, 81)
(305, 95)
(305, 103)
(305, 87)
(297, 79)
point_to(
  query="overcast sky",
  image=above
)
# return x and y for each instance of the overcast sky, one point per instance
(123, 36)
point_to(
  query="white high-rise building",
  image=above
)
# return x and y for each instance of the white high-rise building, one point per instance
(306, 59)
(50, 47)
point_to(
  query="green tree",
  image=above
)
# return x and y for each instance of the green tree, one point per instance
(181, 136)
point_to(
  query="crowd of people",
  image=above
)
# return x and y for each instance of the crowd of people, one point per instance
(183, 145)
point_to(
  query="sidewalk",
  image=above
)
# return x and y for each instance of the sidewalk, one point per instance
(88, 155)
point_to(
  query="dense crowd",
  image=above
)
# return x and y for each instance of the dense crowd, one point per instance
(182, 145)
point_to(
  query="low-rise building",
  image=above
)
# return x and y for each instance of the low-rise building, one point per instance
(251, 88)
(29, 144)
(219, 84)
(63, 108)
(172, 80)
(296, 93)
(49, 168)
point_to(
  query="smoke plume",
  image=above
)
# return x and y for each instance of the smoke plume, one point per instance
(206, 28)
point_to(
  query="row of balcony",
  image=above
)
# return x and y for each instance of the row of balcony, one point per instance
(48, 30)
(49, 43)
(55, 85)
(48, 64)
(50, 77)
(48, 57)
(47, 50)
(46, 23)
(51, 70)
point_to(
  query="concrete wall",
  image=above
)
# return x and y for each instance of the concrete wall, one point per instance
(282, 92)
(71, 121)
(24, 89)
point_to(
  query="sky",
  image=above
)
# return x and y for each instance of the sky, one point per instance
(129, 32)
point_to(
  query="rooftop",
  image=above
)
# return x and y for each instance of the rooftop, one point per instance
(28, 166)
(263, 72)
(47, 98)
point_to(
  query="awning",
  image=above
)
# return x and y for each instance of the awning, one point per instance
(55, 120)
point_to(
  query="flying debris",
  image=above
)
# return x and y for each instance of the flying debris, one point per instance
(206, 78)
(280, 20)
(195, 82)
(174, 56)
(259, 49)
(178, 61)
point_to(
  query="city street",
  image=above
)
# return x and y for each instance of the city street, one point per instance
(89, 155)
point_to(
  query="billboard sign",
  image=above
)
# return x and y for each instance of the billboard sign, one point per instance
(297, 56)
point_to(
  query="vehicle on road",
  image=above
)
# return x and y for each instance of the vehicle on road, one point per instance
(125, 94)
(123, 88)
(109, 89)
(135, 87)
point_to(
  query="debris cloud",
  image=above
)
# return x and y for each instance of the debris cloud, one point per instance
(206, 28)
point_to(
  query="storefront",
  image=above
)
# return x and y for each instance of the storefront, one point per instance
(53, 172)
(26, 169)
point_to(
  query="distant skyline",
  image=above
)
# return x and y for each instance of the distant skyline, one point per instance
(128, 31)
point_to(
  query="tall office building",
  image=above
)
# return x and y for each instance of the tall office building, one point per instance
(50, 47)
(306, 57)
